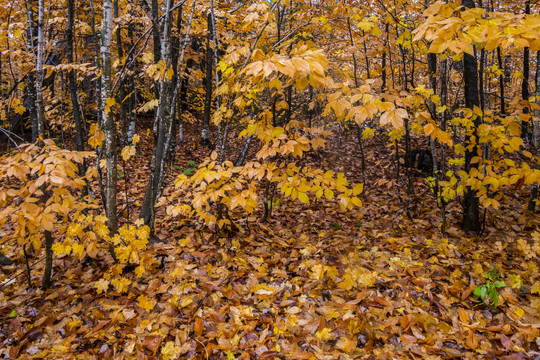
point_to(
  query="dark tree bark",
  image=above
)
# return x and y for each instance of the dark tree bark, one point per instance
(471, 213)
(525, 84)
(77, 118)
(46, 279)
(109, 124)
(535, 135)
(73, 83)
(501, 81)
(205, 133)
(156, 31)
(40, 71)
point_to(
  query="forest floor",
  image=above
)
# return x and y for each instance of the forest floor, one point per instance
(311, 283)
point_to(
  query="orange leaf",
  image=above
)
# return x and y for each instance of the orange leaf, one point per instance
(199, 326)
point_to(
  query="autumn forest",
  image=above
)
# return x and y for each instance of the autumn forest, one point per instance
(272, 179)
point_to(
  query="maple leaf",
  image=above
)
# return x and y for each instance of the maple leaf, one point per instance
(170, 351)
(101, 285)
(145, 303)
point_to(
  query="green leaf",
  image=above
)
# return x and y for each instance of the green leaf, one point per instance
(230, 355)
(188, 171)
(499, 284)
(191, 163)
(478, 291)
(337, 226)
(12, 314)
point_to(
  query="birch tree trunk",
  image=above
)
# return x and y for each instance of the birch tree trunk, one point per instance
(122, 85)
(109, 125)
(31, 77)
(163, 123)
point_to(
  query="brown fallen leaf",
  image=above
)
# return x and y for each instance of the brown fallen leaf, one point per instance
(408, 339)
(152, 343)
(199, 326)
(506, 342)
(465, 294)
(463, 316)
(471, 341)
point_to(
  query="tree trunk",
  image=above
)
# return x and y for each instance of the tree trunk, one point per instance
(501, 81)
(73, 84)
(525, 84)
(156, 31)
(131, 81)
(432, 70)
(31, 77)
(163, 122)
(122, 85)
(536, 134)
(80, 136)
(176, 79)
(471, 218)
(46, 279)
(205, 133)
(40, 71)
(96, 61)
(109, 124)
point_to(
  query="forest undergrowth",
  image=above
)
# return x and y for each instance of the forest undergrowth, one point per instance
(312, 282)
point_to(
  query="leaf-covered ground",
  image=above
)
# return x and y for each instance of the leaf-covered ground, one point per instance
(312, 283)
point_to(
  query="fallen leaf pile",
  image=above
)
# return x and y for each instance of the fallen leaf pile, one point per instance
(312, 283)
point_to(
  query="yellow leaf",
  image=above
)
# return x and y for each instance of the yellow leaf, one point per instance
(329, 194)
(428, 129)
(346, 345)
(303, 197)
(521, 42)
(146, 304)
(127, 152)
(302, 83)
(186, 302)
(368, 133)
(535, 289)
(109, 103)
(519, 312)
(101, 286)
(136, 139)
(169, 74)
(170, 351)
(358, 189)
(324, 334)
